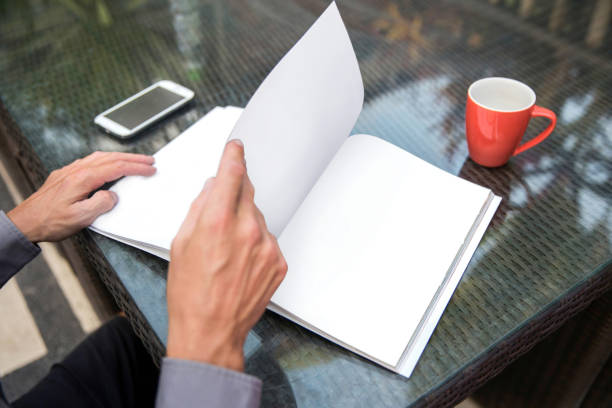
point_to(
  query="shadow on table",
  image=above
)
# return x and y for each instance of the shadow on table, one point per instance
(277, 391)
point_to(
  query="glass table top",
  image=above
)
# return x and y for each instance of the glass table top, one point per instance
(63, 62)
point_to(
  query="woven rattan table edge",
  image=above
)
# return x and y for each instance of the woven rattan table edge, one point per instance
(492, 361)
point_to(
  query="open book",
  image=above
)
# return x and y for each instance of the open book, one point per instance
(375, 238)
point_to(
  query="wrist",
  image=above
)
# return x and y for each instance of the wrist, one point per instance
(216, 350)
(24, 224)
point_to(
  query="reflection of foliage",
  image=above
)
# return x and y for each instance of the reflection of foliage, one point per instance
(86, 9)
(82, 9)
(397, 27)
(84, 71)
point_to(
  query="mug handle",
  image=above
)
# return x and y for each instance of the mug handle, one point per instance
(543, 112)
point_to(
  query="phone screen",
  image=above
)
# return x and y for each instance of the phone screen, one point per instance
(144, 107)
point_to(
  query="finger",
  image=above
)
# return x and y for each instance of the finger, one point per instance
(95, 177)
(91, 160)
(247, 195)
(195, 211)
(99, 203)
(105, 157)
(230, 176)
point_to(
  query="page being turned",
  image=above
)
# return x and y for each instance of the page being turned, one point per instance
(299, 116)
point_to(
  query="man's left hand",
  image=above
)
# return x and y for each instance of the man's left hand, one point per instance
(61, 207)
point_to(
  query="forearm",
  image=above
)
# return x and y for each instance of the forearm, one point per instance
(15, 249)
(185, 383)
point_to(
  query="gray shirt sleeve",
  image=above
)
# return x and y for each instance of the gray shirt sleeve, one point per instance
(15, 252)
(184, 383)
(15, 249)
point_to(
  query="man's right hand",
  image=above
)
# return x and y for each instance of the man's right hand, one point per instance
(225, 266)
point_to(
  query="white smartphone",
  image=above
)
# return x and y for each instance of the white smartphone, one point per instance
(146, 107)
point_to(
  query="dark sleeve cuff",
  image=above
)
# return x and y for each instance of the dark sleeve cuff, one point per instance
(15, 249)
(184, 383)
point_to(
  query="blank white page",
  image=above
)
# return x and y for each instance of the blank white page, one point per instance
(152, 209)
(299, 117)
(372, 242)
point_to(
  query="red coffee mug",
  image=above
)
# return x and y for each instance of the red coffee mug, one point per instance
(497, 113)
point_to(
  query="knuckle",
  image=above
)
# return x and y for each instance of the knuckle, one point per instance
(280, 269)
(121, 165)
(280, 275)
(250, 190)
(283, 267)
(219, 221)
(269, 250)
(77, 177)
(115, 156)
(68, 181)
(236, 168)
(250, 231)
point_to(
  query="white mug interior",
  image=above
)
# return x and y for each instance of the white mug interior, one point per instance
(502, 94)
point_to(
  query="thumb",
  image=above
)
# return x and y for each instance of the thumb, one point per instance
(99, 203)
(195, 212)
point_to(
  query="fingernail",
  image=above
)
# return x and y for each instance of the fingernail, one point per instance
(237, 141)
(115, 196)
